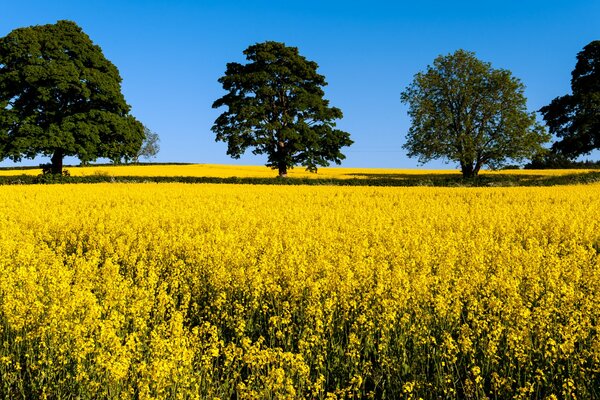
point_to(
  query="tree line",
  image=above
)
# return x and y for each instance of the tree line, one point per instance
(59, 96)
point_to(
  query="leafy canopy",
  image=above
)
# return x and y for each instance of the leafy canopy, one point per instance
(59, 96)
(575, 118)
(464, 110)
(275, 104)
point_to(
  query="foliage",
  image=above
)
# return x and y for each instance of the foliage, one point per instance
(555, 160)
(59, 96)
(150, 145)
(575, 118)
(275, 105)
(199, 291)
(464, 110)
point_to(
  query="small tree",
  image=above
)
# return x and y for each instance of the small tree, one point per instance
(464, 110)
(150, 145)
(275, 105)
(575, 118)
(59, 96)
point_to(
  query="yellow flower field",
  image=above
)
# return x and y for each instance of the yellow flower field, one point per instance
(176, 291)
(245, 171)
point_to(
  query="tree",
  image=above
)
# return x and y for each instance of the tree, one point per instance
(464, 110)
(575, 118)
(150, 146)
(275, 105)
(59, 96)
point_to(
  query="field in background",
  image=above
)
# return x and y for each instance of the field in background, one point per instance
(236, 291)
(227, 171)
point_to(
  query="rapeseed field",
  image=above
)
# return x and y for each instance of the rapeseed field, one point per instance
(250, 171)
(175, 291)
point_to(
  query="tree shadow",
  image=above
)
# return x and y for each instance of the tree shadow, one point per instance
(364, 179)
(485, 179)
(403, 176)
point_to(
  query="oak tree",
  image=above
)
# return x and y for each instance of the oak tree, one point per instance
(465, 111)
(59, 96)
(275, 105)
(575, 118)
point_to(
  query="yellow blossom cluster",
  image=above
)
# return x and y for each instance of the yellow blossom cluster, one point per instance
(175, 291)
(247, 171)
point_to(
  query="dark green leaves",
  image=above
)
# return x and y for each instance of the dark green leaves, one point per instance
(276, 106)
(575, 118)
(60, 95)
(465, 111)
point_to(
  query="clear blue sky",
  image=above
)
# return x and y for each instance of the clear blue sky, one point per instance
(170, 54)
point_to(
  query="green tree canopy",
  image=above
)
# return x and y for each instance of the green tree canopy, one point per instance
(464, 110)
(575, 118)
(275, 105)
(59, 96)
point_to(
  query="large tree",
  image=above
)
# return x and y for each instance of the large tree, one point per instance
(59, 96)
(275, 104)
(464, 110)
(575, 118)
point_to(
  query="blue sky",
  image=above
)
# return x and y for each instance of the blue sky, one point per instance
(171, 53)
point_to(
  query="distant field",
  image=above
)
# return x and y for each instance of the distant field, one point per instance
(226, 171)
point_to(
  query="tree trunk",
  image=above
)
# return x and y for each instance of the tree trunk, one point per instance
(281, 165)
(282, 170)
(57, 162)
(467, 170)
(476, 170)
